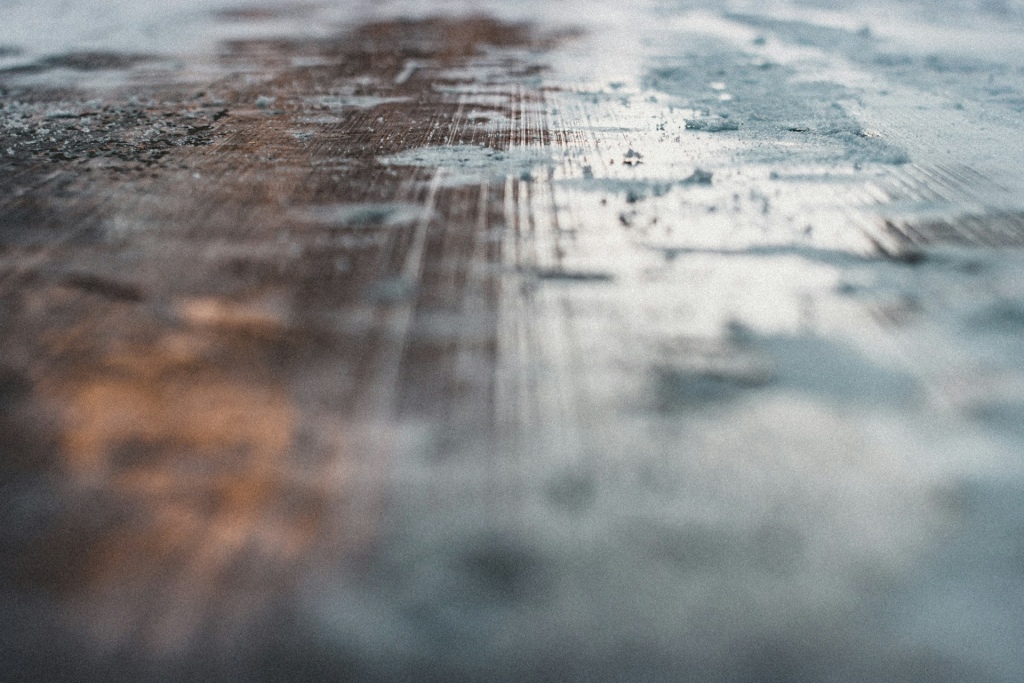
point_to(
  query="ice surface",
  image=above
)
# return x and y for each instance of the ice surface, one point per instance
(736, 285)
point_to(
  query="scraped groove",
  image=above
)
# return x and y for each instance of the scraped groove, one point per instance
(994, 230)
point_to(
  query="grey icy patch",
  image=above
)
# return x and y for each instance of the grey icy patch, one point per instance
(712, 124)
(694, 376)
(766, 101)
(468, 164)
(939, 70)
(828, 369)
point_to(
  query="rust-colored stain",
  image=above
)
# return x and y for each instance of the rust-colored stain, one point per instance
(193, 469)
(207, 344)
(210, 343)
(154, 398)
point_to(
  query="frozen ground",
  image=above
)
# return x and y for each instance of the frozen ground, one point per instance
(670, 341)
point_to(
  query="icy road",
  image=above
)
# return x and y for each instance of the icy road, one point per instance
(497, 341)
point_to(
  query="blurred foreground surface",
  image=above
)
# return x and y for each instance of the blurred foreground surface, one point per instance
(512, 342)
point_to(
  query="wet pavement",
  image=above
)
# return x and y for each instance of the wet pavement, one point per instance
(542, 341)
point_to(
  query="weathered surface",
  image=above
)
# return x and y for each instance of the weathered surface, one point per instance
(557, 342)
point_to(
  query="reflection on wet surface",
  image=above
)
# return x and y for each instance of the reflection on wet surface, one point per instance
(445, 349)
(192, 395)
(186, 498)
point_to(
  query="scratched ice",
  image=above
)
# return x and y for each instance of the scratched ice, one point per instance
(668, 341)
